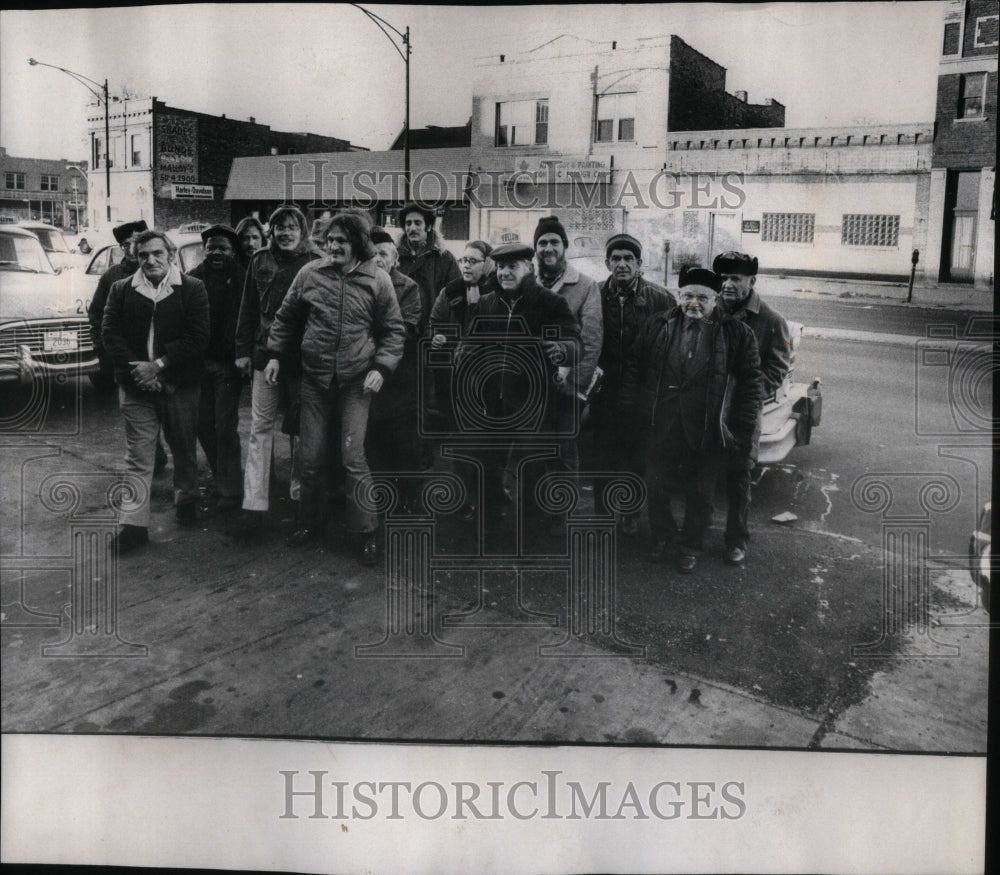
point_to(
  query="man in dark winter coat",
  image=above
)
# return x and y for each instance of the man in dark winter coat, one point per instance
(391, 440)
(740, 300)
(693, 383)
(156, 328)
(219, 416)
(534, 333)
(423, 257)
(628, 299)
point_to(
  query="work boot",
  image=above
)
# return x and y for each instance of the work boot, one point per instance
(130, 538)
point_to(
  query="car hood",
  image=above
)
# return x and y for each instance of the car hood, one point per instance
(42, 296)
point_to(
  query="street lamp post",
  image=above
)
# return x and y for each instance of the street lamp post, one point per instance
(76, 198)
(404, 53)
(83, 80)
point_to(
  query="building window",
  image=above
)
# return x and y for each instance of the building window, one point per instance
(49, 183)
(96, 157)
(869, 230)
(13, 180)
(986, 31)
(952, 38)
(522, 123)
(787, 227)
(136, 151)
(971, 95)
(615, 118)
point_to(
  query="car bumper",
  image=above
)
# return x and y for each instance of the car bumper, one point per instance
(788, 422)
(26, 366)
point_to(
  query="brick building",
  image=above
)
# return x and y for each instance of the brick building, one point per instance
(53, 191)
(170, 166)
(962, 234)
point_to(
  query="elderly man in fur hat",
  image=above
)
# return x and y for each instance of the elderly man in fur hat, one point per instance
(692, 381)
(739, 298)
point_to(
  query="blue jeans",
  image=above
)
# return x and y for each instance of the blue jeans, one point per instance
(218, 426)
(145, 413)
(318, 406)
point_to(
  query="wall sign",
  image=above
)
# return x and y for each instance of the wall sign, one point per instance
(181, 191)
(751, 226)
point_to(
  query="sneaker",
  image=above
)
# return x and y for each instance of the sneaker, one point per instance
(369, 550)
(735, 555)
(130, 538)
(186, 514)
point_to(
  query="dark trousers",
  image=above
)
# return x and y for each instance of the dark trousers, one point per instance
(218, 426)
(614, 446)
(673, 468)
(739, 475)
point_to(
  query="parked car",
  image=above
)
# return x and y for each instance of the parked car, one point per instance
(44, 330)
(979, 555)
(54, 244)
(791, 413)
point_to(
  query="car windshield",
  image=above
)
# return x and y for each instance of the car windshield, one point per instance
(190, 256)
(18, 252)
(52, 241)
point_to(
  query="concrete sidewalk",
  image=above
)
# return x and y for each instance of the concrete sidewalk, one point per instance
(947, 296)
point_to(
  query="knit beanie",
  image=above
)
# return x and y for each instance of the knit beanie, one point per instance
(551, 225)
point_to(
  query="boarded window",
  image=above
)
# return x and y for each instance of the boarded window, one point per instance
(986, 31)
(787, 227)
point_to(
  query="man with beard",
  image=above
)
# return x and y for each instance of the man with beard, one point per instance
(268, 279)
(219, 414)
(424, 259)
(155, 329)
(584, 299)
(628, 299)
(740, 300)
(692, 381)
(521, 388)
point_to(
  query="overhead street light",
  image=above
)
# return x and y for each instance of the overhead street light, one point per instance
(101, 98)
(404, 53)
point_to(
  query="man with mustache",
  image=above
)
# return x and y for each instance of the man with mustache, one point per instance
(628, 299)
(692, 381)
(739, 298)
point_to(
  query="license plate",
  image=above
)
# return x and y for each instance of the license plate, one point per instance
(59, 341)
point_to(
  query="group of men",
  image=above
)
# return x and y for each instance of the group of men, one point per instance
(671, 390)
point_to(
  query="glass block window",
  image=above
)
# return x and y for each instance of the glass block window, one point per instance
(862, 229)
(787, 227)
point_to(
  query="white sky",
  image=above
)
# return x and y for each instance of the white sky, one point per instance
(329, 70)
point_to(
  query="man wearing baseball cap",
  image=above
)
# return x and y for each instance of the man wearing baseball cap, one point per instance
(222, 382)
(628, 299)
(739, 298)
(692, 382)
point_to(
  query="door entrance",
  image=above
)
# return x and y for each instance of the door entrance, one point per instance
(958, 250)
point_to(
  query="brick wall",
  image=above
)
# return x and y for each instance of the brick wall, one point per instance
(974, 10)
(965, 142)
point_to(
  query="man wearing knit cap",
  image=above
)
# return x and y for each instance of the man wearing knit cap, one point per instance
(692, 382)
(584, 299)
(628, 299)
(739, 298)
(222, 382)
